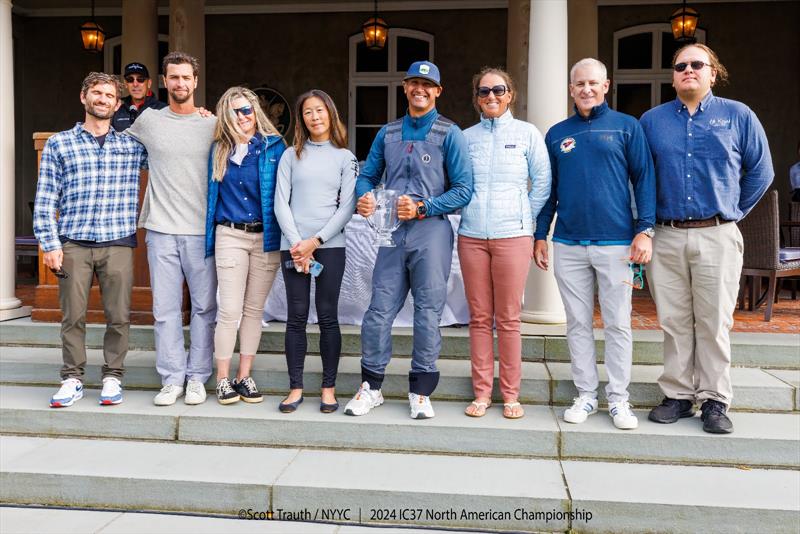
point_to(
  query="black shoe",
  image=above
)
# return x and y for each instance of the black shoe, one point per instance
(714, 419)
(290, 407)
(670, 410)
(225, 393)
(246, 388)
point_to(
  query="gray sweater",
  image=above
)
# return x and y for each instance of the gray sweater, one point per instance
(177, 148)
(315, 195)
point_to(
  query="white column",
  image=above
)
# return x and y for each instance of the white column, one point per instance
(547, 105)
(10, 306)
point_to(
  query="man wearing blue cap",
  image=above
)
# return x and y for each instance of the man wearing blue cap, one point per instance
(140, 96)
(427, 158)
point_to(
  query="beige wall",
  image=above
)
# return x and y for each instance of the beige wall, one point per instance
(764, 70)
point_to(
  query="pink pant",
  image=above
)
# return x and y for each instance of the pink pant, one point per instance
(495, 271)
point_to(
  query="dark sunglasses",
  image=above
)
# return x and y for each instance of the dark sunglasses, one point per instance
(244, 110)
(137, 79)
(696, 65)
(498, 90)
(60, 272)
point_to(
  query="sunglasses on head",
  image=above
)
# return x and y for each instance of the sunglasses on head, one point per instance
(137, 79)
(696, 65)
(244, 110)
(498, 90)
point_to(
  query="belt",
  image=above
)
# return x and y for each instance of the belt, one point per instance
(701, 223)
(250, 228)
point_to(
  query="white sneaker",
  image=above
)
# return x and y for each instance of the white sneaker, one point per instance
(421, 407)
(364, 400)
(623, 416)
(195, 392)
(168, 395)
(582, 407)
(112, 391)
(70, 391)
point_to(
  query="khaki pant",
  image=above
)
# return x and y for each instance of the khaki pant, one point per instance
(694, 279)
(244, 274)
(114, 268)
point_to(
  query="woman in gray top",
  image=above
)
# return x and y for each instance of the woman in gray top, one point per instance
(314, 200)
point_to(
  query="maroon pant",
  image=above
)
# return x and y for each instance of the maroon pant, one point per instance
(495, 271)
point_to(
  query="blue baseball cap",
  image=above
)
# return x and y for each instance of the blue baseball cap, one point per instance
(425, 70)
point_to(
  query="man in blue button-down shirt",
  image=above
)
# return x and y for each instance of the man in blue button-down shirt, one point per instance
(712, 165)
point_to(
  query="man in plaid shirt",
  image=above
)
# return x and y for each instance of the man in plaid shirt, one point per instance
(85, 220)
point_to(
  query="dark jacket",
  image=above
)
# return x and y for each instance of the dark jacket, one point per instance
(127, 112)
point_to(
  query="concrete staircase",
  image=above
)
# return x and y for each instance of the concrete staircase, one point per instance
(384, 468)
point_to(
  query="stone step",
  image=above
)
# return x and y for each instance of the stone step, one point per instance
(542, 382)
(404, 489)
(20, 520)
(539, 342)
(759, 439)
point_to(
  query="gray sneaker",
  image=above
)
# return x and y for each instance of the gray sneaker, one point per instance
(195, 392)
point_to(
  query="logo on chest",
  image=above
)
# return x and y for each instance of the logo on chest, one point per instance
(568, 145)
(719, 123)
(426, 158)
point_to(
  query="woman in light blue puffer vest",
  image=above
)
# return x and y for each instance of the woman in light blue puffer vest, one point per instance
(511, 171)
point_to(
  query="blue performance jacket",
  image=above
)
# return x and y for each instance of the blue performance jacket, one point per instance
(267, 171)
(457, 166)
(593, 159)
(716, 162)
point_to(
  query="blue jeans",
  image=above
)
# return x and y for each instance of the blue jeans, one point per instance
(420, 262)
(173, 258)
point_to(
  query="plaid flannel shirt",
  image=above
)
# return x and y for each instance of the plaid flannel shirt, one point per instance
(94, 190)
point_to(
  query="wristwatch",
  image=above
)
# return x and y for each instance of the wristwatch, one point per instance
(318, 238)
(421, 210)
(649, 232)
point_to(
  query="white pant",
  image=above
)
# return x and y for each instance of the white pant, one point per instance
(576, 269)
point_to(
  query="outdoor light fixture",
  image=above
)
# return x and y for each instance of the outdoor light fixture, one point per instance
(684, 24)
(93, 35)
(375, 31)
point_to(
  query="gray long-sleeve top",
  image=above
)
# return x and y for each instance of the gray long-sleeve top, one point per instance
(315, 194)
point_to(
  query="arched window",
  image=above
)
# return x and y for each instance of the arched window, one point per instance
(376, 83)
(642, 75)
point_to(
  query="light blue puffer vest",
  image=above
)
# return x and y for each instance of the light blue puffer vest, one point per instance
(507, 155)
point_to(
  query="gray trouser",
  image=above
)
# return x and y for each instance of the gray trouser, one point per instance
(420, 262)
(114, 268)
(694, 279)
(576, 269)
(173, 258)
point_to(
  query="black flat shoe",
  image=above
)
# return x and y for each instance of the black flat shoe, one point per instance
(289, 407)
(328, 408)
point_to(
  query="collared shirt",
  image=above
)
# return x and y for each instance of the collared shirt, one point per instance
(94, 190)
(715, 162)
(239, 191)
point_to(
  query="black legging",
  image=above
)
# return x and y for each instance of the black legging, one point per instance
(298, 300)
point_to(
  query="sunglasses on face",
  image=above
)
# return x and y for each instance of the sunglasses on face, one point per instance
(136, 79)
(696, 65)
(244, 110)
(498, 90)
